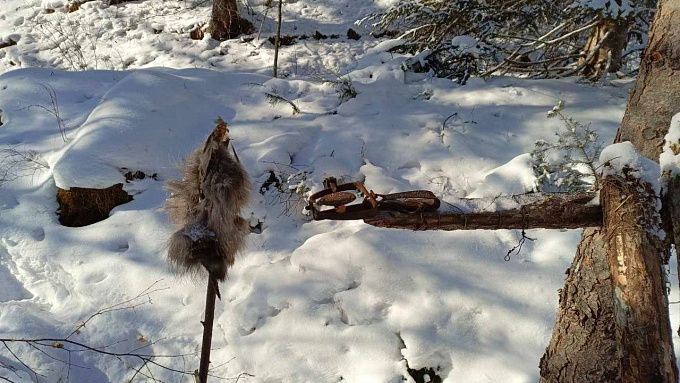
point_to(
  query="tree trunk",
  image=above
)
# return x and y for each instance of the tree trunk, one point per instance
(603, 50)
(225, 22)
(656, 95)
(655, 99)
(636, 255)
(583, 345)
(643, 353)
(613, 324)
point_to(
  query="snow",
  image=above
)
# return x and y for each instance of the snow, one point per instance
(514, 177)
(197, 232)
(670, 157)
(386, 45)
(615, 9)
(616, 158)
(306, 301)
(466, 44)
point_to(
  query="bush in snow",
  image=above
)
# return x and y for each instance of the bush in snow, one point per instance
(456, 59)
(570, 162)
(534, 38)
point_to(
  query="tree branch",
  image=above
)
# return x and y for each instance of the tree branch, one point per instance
(527, 211)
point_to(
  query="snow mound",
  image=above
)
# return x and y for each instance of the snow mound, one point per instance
(147, 121)
(515, 177)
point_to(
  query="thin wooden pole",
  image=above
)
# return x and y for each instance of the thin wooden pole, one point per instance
(207, 329)
(277, 42)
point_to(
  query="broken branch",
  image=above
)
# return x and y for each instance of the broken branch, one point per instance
(527, 211)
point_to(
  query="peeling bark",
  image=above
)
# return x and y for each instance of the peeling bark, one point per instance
(636, 255)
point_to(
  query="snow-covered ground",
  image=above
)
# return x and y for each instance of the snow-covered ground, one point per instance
(307, 301)
(156, 33)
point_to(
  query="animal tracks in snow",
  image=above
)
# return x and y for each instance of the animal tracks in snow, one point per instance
(38, 234)
(271, 312)
(11, 289)
(35, 276)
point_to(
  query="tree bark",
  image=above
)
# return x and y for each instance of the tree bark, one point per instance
(225, 22)
(613, 324)
(528, 211)
(583, 344)
(603, 49)
(656, 95)
(644, 353)
(635, 254)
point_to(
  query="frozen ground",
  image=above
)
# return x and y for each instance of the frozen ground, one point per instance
(307, 301)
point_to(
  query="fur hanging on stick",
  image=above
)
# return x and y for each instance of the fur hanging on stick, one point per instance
(206, 205)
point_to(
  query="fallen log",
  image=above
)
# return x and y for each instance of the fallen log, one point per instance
(526, 211)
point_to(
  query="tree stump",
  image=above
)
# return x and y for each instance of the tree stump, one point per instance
(85, 206)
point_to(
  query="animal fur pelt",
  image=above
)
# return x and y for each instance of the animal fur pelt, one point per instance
(206, 205)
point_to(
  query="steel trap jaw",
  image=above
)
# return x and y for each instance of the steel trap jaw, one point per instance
(337, 202)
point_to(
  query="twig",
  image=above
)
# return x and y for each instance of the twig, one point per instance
(4, 343)
(16, 163)
(518, 247)
(52, 109)
(121, 306)
(147, 359)
(275, 99)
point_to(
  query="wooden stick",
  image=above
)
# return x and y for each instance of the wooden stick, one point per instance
(207, 329)
(277, 42)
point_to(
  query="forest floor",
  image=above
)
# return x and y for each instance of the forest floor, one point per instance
(91, 94)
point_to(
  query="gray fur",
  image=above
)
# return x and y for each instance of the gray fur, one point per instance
(205, 205)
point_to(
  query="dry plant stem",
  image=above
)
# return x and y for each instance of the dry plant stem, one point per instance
(129, 304)
(264, 17)
(16, 163)
(207, 329)
(66, 345)
(52, 109)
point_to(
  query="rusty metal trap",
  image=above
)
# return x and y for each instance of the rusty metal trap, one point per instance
(339, 202)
